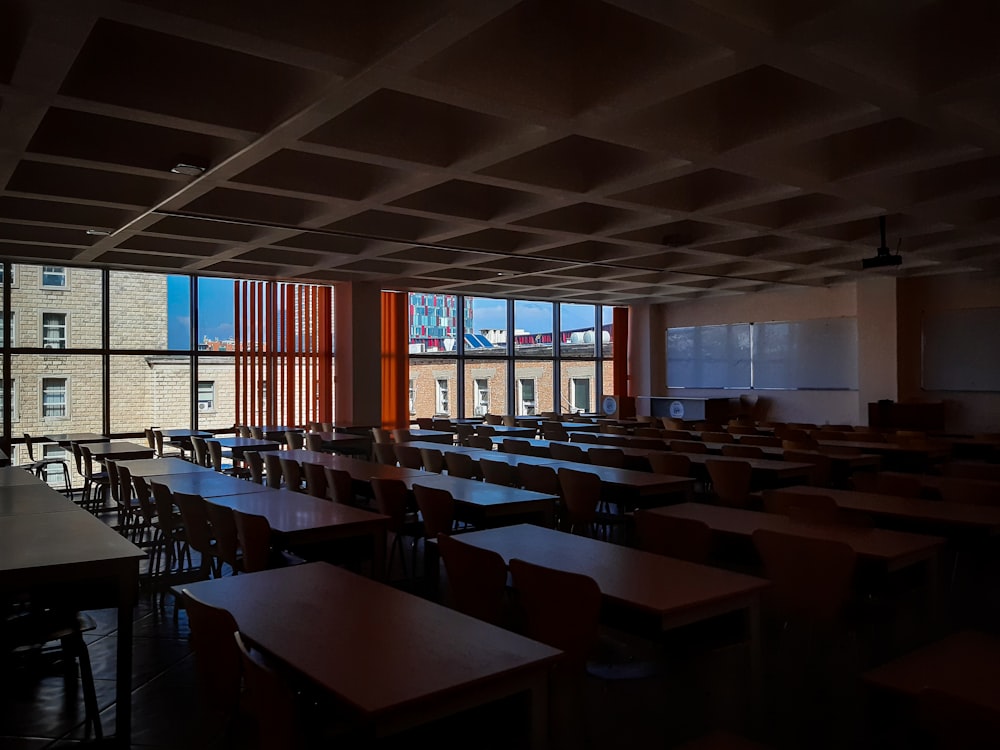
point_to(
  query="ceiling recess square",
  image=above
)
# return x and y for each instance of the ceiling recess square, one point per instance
(321, 175)
(469, 199)
(703, 190)
(582, 218)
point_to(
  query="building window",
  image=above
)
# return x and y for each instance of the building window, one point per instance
(54, 330)
(206, 395)
(13, 328)
(526, 396)
(482, 397)
(13, 274)
(54, 472)
(54, 402)
(413, 396)
(54, 277)
(442, 396)
(579, 389)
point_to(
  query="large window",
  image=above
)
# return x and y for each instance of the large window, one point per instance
(54, 277)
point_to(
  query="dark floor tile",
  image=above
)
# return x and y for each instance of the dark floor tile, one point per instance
(150, 657)
(23, 743)
(48, 705)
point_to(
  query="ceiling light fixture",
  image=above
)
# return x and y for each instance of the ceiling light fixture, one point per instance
(98, 232)
(883, 256)
(188, 170)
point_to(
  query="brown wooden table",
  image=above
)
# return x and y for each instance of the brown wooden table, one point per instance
(65, 438)
(208, 484)
(934, 484)
(895, 456)
(965, 664)
(766, 473)
(362, 472)
(504, 431)
(397, 659)
(345, 442)
(433, 436)
(486, 505)
(12, 476)
(34, 497)
(180, 433)
(119, 451)
(145, 467)
(299, 520)
(70, 553)
(239, 444)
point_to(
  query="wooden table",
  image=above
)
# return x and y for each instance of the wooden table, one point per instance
(397, 659)
(933, 484)
(144, 467)
(947, 519)
(766, 473)
(362, 472)
(181, 433)
(12, 476)
(894, 549)
(277, 432)
(208, 484)
(906, 457)
(965, 664)
(65, 438)
(346, 442)
(433, 436)
(68, 552)
(486, 505)
(119, 451)
(502, 431)
(666, 591)
(239, 444)
(299, 520)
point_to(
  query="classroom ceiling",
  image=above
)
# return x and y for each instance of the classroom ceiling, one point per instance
(617, 152)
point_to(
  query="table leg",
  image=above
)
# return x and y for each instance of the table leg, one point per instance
(127, 593)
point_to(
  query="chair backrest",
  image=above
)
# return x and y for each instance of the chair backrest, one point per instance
(214, 454)
(669, 423)
(401, 435)
(78, 457)
(708, 426)
(381, 436)
(270, 700)
(674, 464)
(477, 578)
(158, 442)
(742, 451)
(112, 468)
(88, 461)
(150, 438)
(539, 478)
(613, 457)
(437, 506)
(432, 459)
(291, 470)
(486, 430)
(256, 432)
(125, 492)
(224, 530)
(294, 440)
(425, 423)
(256, 463)
(885, 484)
(554, 431)
(272, 461)
(339, 485)
(142, 495)
(482, 442)
(688, 446)
(822, 473)
(315, 475)
(390, 500)
(741, 429)
(683, 538)
(810, 578)
(464, 432)
(408, 456)
(581, 492)
(194, 514)
(216, 656)
(243, 431)
(588, 437)
(730, 481)
(163, 501)
(254, 534)
(764, 441)
(498, 472)
(717, 437)
(198, 446)
(29, 444)
(560, 608)
(494, 419)
(820, 509)
(509, 420)
(567, 452)
(461, 465)
(314, 441)
(385, 453)
(513, 445)
(675, 435)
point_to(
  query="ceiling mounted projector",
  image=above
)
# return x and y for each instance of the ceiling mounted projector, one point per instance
(883, 256)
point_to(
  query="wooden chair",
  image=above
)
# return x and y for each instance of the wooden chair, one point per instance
(226, 537)
(554, 431)
(255, 464)
(385, 453)
(216, 656)
(810, 578)
(339, 485)
(581, 494)
(518, 447)
(463, 432)
(477, 578)
(672, 424)
(613, 457)
(270, 701)
(674, 464)
(509, 420)
(408, 456)
(170, 537)
(764, 441)
(161, 451)
(742, 451)
(567, 452)
(437, 509)
(675, 435)
(461, 465)
(315, 476)
(401, 435)
(480, 441)
(683, 538)
(498, 472)
(391, 498)
(741, 429)
(294, 440)
(272, 462)
(291, 472)
(314, 442)
(708, 427)
(425, 423)
(198, 531)
(884, 484)
(560, 608)
(41, 465)
(822, 473)
(493, 419)
(730, 481)
(819, 510)
(688, 446)
(254, 534)
(256, 432)
(433, 460)
(381, 436)
(96, 483)
(717, 437)
(539, 478)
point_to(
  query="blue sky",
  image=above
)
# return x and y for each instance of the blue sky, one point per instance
(215, 310)
(533, 317)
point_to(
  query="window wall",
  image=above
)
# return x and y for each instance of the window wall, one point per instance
(519, 357)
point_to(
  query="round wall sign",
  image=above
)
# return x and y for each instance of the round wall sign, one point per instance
(676, 410)
(609, 405)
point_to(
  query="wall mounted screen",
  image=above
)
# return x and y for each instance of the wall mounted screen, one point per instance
(807, 354)
(709, 356)
(961, 350)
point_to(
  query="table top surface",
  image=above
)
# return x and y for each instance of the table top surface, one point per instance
(25, 499)
(245, 442)
(766, 465)
(360, 471)
(279, 428)
(383, 651)
(343, 437)
(206, 484)
(880, 544)
(938, 482)
(503, 429)
(76, 437)
(183, 433)
(869, 447)
(118, 449)
(965, 664)
(641, 580)
(953, 514)
(431, 434)
(12, 476)
(292, 512)
(474, 492)
(144, 467)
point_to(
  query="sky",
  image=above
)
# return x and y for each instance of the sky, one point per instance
(533, 317)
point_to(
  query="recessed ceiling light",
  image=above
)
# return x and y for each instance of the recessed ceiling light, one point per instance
(190, 170)
(98, 232)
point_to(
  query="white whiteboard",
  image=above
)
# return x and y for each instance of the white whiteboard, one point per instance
(709, 356)
(961, 350)
(806, 354)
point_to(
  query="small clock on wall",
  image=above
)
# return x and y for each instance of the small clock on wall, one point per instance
(609, 406)
(677, 409)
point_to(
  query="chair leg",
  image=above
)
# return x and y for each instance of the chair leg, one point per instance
(78, 648)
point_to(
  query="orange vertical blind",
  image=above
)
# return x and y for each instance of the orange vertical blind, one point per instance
(395, 360)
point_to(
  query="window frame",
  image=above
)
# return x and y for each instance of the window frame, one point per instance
(210, 409)
(574, 404)
(521, 401)
(66, 401)
(54, 287)
(65, 329)
(442, 400)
